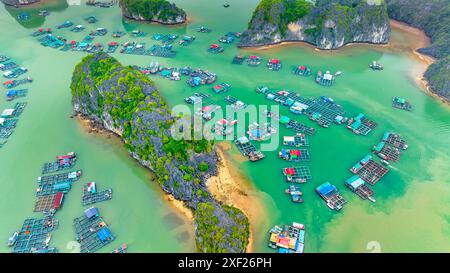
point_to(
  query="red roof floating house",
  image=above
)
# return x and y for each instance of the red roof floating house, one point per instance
(73, 42)
(222, 121)
(113, 43)
(214, 46)
(57, 202)
(8, 83)
(274, 61)
(289, 171)
(295, 152)
(302, 67)
(253, 57)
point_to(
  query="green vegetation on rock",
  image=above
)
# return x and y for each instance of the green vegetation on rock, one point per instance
(211, 233)
(327, 24)
(434, 18)
(123, 100)
(161, 11)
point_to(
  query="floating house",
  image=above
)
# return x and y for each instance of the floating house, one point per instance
(300, 174)
(288, 239)
(215, 48)
(301, 70)
(274, 64)
(254, 60)
(203, 29)
(361, 125)
(249, 150)
(331, 195)
(358, 186)
(295, 193)
(221, 88)
(401, 103)
(325, 79)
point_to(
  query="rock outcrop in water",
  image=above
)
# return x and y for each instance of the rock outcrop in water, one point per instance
(122, 100)
(433, 17)
(327, 24)
(159, 11)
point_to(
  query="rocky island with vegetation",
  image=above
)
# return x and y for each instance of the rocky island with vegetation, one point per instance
(18, 3)
(327, 24)
(158, 11)
(122, 100)
(433, 17)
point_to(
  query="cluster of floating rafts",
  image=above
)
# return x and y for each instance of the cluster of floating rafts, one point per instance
(288, 238)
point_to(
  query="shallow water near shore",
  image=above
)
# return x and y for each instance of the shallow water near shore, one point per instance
(412, 210)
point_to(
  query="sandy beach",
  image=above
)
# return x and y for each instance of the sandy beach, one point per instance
(231, 187)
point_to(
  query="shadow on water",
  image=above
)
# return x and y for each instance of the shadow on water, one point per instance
(33, 19)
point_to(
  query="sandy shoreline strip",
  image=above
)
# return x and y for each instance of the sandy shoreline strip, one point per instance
(231, 187)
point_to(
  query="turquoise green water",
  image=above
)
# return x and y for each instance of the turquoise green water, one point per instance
(412, 210)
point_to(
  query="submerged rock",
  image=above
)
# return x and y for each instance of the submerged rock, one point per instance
(325, 24)
(124, 101)
(159, 11)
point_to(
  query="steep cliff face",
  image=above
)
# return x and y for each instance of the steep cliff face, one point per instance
(160, 11)
(122, 100)
(325, 24)
(434, 18)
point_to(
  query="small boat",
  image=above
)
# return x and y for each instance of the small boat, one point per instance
(376, 66)
(47, 240)
(13, 239)
(384, 162)
(338, 73)
(44, 12)
(226, 5)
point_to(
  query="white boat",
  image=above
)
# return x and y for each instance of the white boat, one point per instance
(13, 239)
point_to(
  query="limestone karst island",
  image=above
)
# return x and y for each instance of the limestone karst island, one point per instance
(224, 126)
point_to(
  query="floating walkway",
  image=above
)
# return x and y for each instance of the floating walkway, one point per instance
(361, 125)
(248, 150)
(63, 162)
(235, 103)
(300, 174)
(358, 186)
(11, 84)
(288, 239)
(14, 94)
(289, 123)
(91, 231)
(34, 236)
(61, 177)
(295, 155)
(201, 77)
(323, 110)
(390, 147)
(301, 70)
(299, 140)
(369, 170)
(238, 59)
(91, 195)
